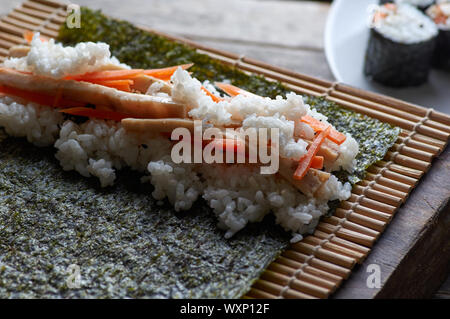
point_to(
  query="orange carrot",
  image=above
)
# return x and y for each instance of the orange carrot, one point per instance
(95, 113)
(165, 73)
(40, 98)
(28, 36)
(318, 126)
(306, 161)
(123, 85)
(110, 75)
(230, 145)
(317, 162)
(232, 90)
(212, 96)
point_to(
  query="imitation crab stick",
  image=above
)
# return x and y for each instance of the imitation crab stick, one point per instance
(232, 90)
(39, 98)
(94, 113)
(319, 126)
(110, 75)
(306, 161)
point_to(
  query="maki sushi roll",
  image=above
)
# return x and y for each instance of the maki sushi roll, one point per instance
(401, 45)
(440, 13)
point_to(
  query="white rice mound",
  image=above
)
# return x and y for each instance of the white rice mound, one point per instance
(39, 124)
(54, 60)
(406, 24)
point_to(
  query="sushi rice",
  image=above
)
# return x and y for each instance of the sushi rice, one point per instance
(238, 194)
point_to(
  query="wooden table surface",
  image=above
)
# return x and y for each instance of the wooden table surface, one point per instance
(283, 33)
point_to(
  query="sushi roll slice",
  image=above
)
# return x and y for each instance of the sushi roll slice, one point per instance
(401, 45)
(440, 13)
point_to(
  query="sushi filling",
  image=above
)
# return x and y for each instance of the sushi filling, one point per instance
(403, 24)
(238, 194)
(440, 13)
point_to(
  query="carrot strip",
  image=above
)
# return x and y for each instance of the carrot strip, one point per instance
(106, 75)
(123, 85)
(28, 36)
(94, 113)
(319, 126)
(110, 75)
(228, 144)
(212, 96)
(232, 90)
(166, 73)
(305, 162)
(39, 98)
(317, 162)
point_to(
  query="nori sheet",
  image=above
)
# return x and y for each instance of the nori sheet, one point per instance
(441, 56)
(125, 244)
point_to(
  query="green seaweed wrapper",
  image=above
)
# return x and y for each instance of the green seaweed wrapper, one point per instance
(124, 244)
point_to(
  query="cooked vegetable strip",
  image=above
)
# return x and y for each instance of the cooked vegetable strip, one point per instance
(306, 161)
(232, 90)
(28, 36)
(42, 99)
(106, 75)
(123, 85)
(95, 113)
(317, 162)
(319, 126)
(212, 96)
(156, 125)
(163, 73)
(228, 144)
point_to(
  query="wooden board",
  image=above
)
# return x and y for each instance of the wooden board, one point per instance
(319, 264)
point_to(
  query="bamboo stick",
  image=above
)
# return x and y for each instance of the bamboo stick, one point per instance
(419, 145)
(347, 234)
(373, 204)
(377, 195)
(407, 161)
(412, 152)
(384, 189)
(26, 18)
(342, 242)
(295, 284)
(289, 272)
(275, 289)
(33, 13)
(38, 7)
(425, 139)
(294, 265)
(318, 263)
(392, 184)
(323, 254)
(372, 213)
(315, 241)
(260, 294)
(406, 171)
(398, 104)
(50, 3)
(336, 221)
(362, 220)
(395, 176)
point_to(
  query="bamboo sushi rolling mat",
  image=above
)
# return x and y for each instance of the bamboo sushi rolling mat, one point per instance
(316, 266)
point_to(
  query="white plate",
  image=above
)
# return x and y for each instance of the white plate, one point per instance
(346, 37)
